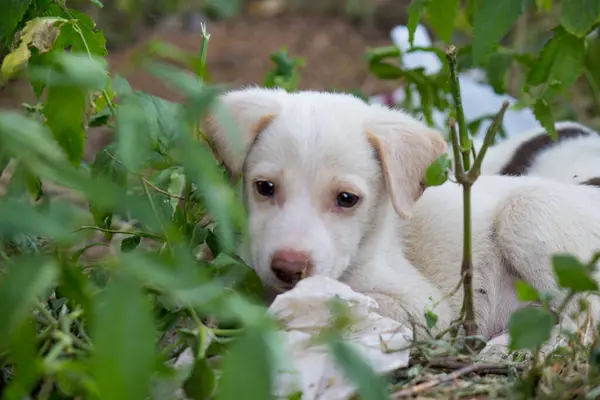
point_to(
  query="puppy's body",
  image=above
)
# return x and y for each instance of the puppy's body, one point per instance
(518, 223)
(331, 185)
(573, 157)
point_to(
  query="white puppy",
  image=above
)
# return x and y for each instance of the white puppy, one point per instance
(331, 183)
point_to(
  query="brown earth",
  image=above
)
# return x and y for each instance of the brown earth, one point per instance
(333, 48)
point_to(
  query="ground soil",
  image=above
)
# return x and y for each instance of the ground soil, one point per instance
(333, 49)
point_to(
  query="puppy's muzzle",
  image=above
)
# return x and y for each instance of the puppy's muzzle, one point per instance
(290, 266)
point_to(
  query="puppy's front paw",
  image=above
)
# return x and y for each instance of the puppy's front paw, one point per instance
(497, 349)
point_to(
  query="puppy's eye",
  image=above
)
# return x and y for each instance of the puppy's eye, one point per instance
(265, 188)
(346, 200)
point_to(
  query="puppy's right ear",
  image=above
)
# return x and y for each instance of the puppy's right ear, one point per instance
(250, 111)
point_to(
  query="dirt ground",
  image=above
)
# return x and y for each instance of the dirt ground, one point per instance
(239, 49)
(333, 49)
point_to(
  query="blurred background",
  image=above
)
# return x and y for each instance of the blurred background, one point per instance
(330, 37)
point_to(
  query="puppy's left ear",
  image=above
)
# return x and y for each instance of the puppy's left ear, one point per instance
(406, 148)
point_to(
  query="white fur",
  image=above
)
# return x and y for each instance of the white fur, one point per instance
(402, 254)
(571, 160)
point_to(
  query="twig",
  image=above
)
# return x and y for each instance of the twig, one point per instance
(116, 231)
(161, 191)
(456, 363)
(422, 387)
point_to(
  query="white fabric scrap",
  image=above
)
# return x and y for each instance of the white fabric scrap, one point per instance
(310, 368)
(304, 366)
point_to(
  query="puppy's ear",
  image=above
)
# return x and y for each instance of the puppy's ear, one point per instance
(406, 148)
(237, 119)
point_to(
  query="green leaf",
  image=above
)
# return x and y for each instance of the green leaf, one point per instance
(130, 243)
(40, 33)
(525, 292)
(201, 383)
(75, 285)
(82, 36)
(442, 14)
(20, 217)
(572, 274)
(20, 285)
(530, 327)
(145, 122)
(415, 10)
(497, 68)
(107, 166)
(543, 5)
(386, 71)
(247, 369)
(431, 319)
(73, 69)
(543, 114)
(377, 54)
(437, 172)
(28, 366)
(369, 384)
(12, 13)
(491, 22)
(124, 335)
(560, 62)
(65, 109)
(238, 276)
(23, 181)
(578, 17)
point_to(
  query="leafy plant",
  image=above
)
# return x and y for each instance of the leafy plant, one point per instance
(79, 325)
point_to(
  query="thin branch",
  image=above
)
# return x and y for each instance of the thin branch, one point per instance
(422, 387)
(161, 191)
(116, 231)
(488, 140)
(454, 363)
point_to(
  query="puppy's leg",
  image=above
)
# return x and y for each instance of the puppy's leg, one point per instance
(403, 294)
(535, 223)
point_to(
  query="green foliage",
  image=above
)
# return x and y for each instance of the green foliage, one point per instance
(437, 172)
(285, 74)
(573, 275)
(491, 22)
(578, 17)
(539, 79)
(530, 327)
(83, 326)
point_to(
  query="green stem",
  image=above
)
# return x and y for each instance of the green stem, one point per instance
(465, 142)
(116, 231)
(203, 52)
(466, 268)
(77, 29)
(488, 140)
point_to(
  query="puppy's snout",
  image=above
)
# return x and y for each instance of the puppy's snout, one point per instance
(290, 266)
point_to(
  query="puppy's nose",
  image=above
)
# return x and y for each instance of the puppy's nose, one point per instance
(290, 266)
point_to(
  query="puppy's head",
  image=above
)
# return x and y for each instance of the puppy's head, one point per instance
(317, 169)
